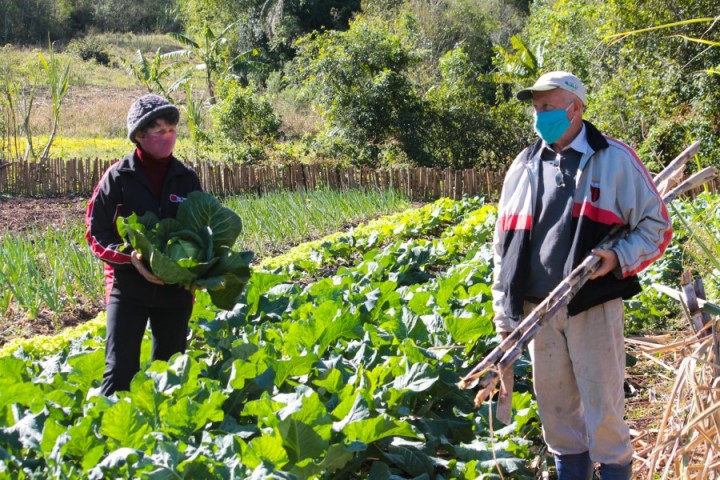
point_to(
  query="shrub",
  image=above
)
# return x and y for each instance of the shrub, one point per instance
(89, 49)
(244, 122)
(464, 130)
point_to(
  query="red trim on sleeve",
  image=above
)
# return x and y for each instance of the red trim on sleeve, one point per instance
(515, 222)
(660, 251)
(663, 208)
(103, 253)
(109, 274)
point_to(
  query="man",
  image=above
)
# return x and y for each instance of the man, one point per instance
(561, 196)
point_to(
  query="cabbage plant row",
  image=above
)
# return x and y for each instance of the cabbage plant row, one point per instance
(341, 362)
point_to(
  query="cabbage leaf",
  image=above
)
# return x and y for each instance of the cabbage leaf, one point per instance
(194, 249)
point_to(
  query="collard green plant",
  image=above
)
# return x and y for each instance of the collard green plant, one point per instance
(194, 249)
(348, 376)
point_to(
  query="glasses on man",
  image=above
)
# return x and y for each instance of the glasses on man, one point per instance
(559, 175)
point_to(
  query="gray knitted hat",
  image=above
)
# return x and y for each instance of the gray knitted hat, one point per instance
(146, 109)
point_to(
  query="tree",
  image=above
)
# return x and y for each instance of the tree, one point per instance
(358, 80)
(464, 130)
(650, 90)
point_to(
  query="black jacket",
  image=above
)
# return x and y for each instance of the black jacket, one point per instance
(123, 190)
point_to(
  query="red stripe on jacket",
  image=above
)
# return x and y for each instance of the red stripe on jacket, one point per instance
(666, 216)
(661, 250)
(515, 222)
(599, 215)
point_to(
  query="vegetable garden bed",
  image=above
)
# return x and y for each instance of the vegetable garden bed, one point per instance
(341, 361)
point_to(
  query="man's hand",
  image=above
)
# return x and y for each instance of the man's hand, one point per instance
(608, 263)
(136, 260)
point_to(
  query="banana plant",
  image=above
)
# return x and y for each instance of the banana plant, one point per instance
(519, 64)
(208, 50)
(151, 73)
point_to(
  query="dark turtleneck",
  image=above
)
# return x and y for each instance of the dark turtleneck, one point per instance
(154, 170)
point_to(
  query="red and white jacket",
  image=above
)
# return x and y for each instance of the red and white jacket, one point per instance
(612, 187)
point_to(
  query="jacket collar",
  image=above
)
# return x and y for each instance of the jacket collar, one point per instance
(130, 163)
(595, 139)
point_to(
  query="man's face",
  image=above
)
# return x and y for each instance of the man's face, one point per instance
(553, 100)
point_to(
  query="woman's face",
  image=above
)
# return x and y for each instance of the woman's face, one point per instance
(159, 139)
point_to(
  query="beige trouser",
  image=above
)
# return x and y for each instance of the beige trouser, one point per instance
(578, 369)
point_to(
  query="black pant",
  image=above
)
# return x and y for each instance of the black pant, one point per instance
(126, 322)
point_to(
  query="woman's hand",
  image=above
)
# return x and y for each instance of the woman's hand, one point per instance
(136, 260)
(194, 288)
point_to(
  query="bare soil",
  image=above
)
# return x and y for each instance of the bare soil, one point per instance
(18, 215)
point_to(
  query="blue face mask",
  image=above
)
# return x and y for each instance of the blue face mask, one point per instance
(551, 125)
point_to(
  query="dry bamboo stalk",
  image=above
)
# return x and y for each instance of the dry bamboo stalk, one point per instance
(672, 347)
(685, 377)
(679, 161)
(657, 361)
(488, 372)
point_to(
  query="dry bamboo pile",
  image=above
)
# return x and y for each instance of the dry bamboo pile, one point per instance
(683, 442)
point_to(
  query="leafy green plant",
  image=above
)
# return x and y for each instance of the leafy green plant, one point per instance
(194, 249)
(58, 77)
(349, 376)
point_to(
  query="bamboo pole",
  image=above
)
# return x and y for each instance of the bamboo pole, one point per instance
(679, 161)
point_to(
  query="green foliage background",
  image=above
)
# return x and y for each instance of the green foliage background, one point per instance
(406, 81)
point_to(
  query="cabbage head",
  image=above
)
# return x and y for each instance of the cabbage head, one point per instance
(194, 249)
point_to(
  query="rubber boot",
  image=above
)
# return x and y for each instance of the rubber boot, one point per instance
(615, 472)
(574, 467)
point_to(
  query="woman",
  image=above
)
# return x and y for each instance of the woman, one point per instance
(149, 179)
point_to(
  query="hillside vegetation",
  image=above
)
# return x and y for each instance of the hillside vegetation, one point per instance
(365, 83)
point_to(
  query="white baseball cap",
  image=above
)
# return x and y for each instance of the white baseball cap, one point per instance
(551, 81)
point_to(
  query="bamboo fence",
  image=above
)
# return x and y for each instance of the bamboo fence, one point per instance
(58, 177)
